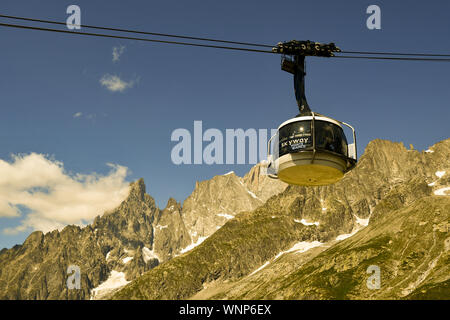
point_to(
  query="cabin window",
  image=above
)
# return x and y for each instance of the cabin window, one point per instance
(330, 136)
(295, 137)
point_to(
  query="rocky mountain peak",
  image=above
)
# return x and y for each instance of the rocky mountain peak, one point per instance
(137, 190)
(213, 202)
(380, 148)
(259, 183)
(254, 176)
(34, 239)
(172, 205)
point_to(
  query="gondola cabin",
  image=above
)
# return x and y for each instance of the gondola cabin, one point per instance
(311, 151)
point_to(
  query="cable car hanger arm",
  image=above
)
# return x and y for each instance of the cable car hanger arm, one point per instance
(295, 64)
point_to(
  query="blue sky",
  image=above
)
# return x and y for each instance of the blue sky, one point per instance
(46, 78)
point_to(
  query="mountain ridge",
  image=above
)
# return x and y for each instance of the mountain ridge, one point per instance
(137, 240)
(117, 247)
(319, 214)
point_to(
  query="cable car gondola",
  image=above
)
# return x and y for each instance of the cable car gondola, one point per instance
(310, 149)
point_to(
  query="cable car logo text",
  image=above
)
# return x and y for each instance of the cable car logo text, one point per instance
(298, 143)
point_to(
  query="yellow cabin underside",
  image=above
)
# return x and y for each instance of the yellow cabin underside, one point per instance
(310, 175)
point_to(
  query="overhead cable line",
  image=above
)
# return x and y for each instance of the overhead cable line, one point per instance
(217, 46)
(133, 38)
(209, 39)
(397, 54)
(140, 32)
(394, 58)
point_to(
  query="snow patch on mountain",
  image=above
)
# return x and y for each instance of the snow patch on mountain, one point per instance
(225, 215)
(148, 254)
(345, 236)
(252, 194)
(115, 281)
(348, 235)
(260, 268)
(362, 222)
(442, 191)
(439, 174)
(306, 223)
(323, 206)
(127, 259)
(299, 247)
(193, 245)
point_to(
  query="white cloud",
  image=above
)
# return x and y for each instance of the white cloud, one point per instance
(114, 83)
(53, 197)
(89, 116)
(117, 52)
